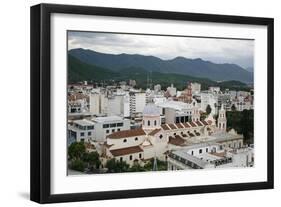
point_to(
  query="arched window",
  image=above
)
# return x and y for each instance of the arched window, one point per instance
(155, 122)
(125, 140)
(148, 123)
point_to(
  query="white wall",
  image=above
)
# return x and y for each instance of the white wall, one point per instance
(14, 176)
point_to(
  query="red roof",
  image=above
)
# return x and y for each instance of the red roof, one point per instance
(126, 151)
(172, 126)
(192, 124)
(177, 140)
(127, 133)
(165, 127)
(155, 131)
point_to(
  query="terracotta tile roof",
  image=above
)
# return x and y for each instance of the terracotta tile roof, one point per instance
(199, 123)
(192, 124)
(204, 122)
(209, 122)
(127, 133)
(177, 140)
(172, 126)
(179, 125)
(186, 125)
(155, 131)
(165, 127)
(126, 151)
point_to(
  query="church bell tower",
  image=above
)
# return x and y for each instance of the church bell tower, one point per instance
(222, 119)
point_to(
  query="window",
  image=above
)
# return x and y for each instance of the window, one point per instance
(118, 130)
(125, 140)
(136, 139)
(155, 122)
(120, 124)
(82, 140)
(192, 152)
(112, 125)
(113, 130)
(220, 147)
(89, 133)
(107, 131)
(161, 136)
(175, 134)
(148, 123)
(131, 157)
(105, 126)
(140, 156)
(200, 151)
(90, 127)
(121, 159)
(82, 134)
(207, 149)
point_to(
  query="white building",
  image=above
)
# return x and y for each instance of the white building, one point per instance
(172, 90)
(209, 99)
(214, 89)
(157, 87)
(81, 130)
(196, 88)
(177, 111)
(98, 103)
(137, 102)
(108, 125)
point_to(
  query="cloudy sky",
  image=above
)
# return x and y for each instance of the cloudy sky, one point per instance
(166, 47)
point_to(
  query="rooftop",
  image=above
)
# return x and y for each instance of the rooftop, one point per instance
(151, 110)
(83, 122)
(127, 133)
(104, 119)
(126, 151)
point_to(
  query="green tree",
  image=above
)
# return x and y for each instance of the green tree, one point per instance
(92, 160)
(78, 165)
(136, 168)
(208, 109)
(243, 123)
(115, 166)
(76, 150)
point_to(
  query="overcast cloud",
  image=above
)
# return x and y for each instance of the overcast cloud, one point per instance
(166, 47)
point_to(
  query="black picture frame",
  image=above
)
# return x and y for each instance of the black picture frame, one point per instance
(41, 102)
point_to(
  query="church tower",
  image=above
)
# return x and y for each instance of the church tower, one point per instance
(151, 118)
(222, 119)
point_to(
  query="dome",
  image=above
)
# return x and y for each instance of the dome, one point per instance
(151, 110)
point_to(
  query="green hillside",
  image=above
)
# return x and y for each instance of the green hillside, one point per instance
(79, 71)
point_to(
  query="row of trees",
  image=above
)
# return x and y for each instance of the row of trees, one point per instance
(81, 160)
(116, 166)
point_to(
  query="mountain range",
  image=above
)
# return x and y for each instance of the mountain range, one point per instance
(79, 71)
(180, 65)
